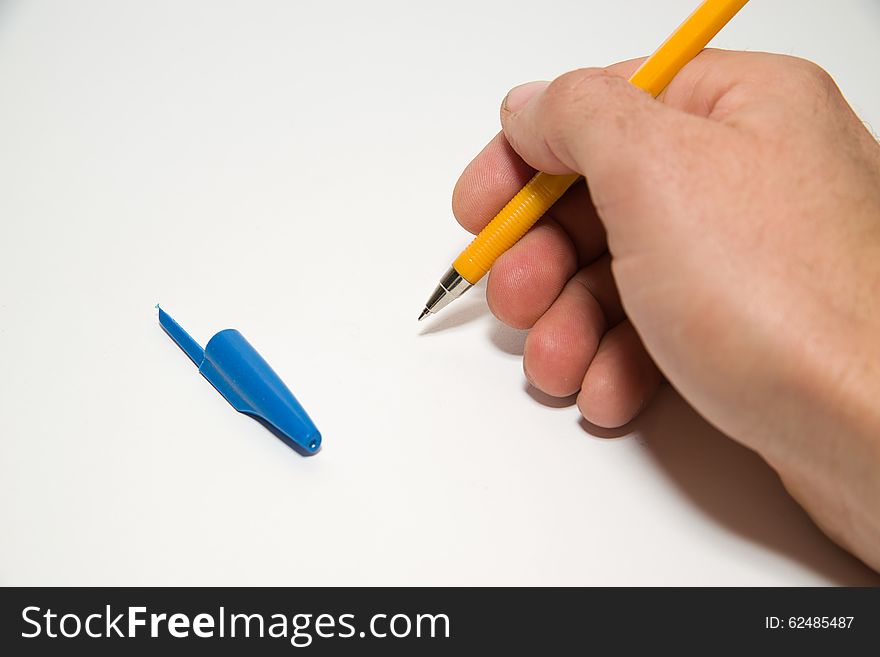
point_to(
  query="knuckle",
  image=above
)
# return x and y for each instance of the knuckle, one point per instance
(566, 91)
(819, 91)
(808, 75)
(813, 72)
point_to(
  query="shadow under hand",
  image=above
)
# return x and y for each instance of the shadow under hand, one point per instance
(546, 400)
(728, 482)
(509, 340)
(737, 488)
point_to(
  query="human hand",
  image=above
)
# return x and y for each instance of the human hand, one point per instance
(729, 239)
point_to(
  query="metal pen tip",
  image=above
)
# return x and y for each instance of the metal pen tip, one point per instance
(424, 314)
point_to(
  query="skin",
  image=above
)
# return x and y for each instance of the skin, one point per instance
(727, 240)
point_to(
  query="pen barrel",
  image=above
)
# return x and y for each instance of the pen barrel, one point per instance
(511, 223)
(684, 44)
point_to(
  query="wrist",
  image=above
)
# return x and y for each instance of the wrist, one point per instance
(834, 475)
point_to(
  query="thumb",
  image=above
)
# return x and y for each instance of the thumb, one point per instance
(595, 123)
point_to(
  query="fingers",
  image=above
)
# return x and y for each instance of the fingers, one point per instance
(620, 380)
(495, 175)
(526, 279)
(595, 123)
(522, 124)
(488, 183)
(598, 280)
(565, 339)
(498, 173)
(584, 343)
(521, 95)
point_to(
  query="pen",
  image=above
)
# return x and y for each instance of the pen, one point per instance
(543, 190)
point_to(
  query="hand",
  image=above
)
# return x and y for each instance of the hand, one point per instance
(727, 239)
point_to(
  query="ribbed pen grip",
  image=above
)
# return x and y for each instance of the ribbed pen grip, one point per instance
(509, 225)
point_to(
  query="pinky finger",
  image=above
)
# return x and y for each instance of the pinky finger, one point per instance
(620, 381)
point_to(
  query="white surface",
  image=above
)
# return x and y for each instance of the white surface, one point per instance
(234, 161)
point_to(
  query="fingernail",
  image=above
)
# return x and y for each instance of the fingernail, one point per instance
(519, 97)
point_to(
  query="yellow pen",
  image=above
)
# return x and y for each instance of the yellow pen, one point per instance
(543, 190)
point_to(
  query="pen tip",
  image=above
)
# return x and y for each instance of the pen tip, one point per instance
(424, 314)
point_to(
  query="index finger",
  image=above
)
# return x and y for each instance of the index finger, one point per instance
(488, 183)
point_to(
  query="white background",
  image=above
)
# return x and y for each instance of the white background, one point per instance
(285, 168)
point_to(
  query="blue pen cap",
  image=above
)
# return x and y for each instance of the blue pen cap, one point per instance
(247, 382)
(241, 375)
